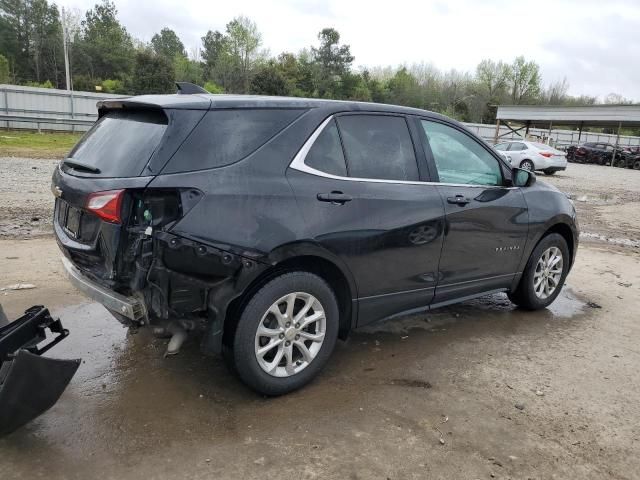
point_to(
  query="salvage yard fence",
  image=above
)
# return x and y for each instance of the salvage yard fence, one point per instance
(39, 109)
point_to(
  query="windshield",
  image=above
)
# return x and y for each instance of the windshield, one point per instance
(119, 144)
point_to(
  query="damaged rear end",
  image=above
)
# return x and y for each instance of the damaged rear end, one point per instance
(114, 229)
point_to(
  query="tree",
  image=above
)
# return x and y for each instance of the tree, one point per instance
(616, 99)
(524, 81)
(30, 39)
(332, 61)
(556, 93)
(216, 56)
(491, 79)
(188, 70)
(269, 80)
(243, 41)
(105, 48)
(403, 89)
(168, 44)
(4, 69)
(152, 74)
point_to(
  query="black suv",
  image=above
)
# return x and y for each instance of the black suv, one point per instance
(274, 226)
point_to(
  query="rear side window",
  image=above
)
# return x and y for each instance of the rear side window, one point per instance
(378, 146)
(326, 153)
(121, 142)
(224, 137)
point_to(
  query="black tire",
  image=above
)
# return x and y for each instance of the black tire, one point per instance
(524, 296)
(636, 165)
(549, 172)
(243, 350)
(527, 165)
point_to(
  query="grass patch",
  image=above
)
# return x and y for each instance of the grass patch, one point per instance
(16, 143)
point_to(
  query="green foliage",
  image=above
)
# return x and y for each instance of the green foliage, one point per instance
(31, 40)
(104, 49)
(213, 88)
(188, 70)
(113, 86)
(332, 62)
(524, 81)
(152, 74)
(4, 69)
(167, 44)
(45, 84)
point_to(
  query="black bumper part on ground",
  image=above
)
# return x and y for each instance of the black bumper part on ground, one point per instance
(29, 383)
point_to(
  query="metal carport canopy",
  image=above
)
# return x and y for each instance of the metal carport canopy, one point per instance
(591, 116)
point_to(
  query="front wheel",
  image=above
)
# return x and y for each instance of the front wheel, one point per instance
(286, 333)
(544, 275)
(527, 165)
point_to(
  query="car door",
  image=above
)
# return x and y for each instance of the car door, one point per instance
(517, 151)
(486, 220)
(359, 184)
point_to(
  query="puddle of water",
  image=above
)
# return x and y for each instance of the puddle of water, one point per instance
(623, 242)
(567, 305)
(600, 199)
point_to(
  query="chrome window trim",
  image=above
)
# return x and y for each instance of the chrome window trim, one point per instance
(298, 164)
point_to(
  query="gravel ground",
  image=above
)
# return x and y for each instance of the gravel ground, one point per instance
(27, 203)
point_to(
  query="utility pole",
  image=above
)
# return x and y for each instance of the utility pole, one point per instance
(65, 40)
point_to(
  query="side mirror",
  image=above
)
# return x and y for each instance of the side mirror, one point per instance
(522, 178)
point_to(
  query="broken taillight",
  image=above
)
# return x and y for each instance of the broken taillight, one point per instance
(106, 205)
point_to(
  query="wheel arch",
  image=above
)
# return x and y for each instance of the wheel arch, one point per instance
(314, 262)
(559, 225)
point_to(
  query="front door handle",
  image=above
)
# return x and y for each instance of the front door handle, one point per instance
(334, 197)
(458, 200)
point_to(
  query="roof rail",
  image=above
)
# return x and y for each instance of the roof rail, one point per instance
(186, 88)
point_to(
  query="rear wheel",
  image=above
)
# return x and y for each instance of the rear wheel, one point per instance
(527, 165)
(636, 165)
(544, 274)
(286, 333)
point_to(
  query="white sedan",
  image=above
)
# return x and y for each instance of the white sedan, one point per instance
(533, 156)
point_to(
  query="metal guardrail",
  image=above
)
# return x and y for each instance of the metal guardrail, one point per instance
(46, 120)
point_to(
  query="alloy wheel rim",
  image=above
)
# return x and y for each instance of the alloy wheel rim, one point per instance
(290, 334)
(527, 166)
(546, 278)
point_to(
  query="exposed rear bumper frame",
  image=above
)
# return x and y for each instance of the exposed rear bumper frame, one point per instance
(130, 307)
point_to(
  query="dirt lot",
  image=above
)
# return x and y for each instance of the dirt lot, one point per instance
(550, 394)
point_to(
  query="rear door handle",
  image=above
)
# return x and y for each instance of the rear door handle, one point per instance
(458, 200)
(335, 197)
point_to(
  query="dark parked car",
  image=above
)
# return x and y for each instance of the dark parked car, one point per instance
(600, 153)
(274, 226)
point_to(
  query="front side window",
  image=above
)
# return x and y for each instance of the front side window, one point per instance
(378, 147)
(326, 153)
(502, 147)
(517, 146)
(459, 158)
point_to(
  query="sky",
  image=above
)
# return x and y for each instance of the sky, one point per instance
(593, 43)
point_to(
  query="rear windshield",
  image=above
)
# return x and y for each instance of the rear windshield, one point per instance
(224, 137)
(541, 146)
(119, 144)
